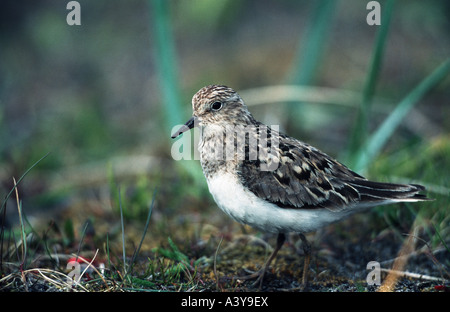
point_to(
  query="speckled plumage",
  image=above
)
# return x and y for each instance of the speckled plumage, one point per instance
(274, 182)
(302, 176)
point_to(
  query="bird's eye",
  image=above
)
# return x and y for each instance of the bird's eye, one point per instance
(216, 106)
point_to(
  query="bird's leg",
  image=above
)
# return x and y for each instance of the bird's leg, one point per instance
(307, 251)
(280, 240)
(260, 274)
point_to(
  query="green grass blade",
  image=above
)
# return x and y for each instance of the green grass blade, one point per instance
(83, 234)
(145, 231)
(442, 240)
(123, 232)
(165, 60)
(310, 52)
(18, 181)
(379, 138)
(23, 234)
(107, 250)
(360, 129)
(176, 253)
(310, 49)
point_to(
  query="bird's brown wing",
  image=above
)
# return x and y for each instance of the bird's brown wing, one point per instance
(304, 177)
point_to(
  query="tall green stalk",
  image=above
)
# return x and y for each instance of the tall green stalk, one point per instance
(165, 59)
(378, 139)
(361, 127)
(310, 51)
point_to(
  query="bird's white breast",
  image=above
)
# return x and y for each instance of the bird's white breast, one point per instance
(245, 207)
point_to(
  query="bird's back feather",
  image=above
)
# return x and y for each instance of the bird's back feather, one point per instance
(308, 178)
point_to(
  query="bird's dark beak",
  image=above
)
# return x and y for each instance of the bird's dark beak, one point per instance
(191, 123)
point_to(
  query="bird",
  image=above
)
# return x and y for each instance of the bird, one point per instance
(275, 183)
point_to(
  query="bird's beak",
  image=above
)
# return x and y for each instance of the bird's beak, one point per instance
(191, 123)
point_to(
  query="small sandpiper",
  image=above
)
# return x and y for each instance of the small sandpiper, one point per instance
(273, 182)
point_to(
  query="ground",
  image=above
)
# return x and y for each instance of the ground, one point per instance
(209, 252)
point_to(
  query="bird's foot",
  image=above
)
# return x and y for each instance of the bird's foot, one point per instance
(259, 275)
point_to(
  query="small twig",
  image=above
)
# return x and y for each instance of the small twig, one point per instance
(89, 264)
(407, 248)
(413, 275)
(61, 283)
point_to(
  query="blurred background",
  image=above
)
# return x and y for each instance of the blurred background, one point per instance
(102, 98)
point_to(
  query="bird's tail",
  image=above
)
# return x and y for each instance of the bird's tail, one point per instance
(379, 191)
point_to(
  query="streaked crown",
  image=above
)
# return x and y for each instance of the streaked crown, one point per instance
(219, 104)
